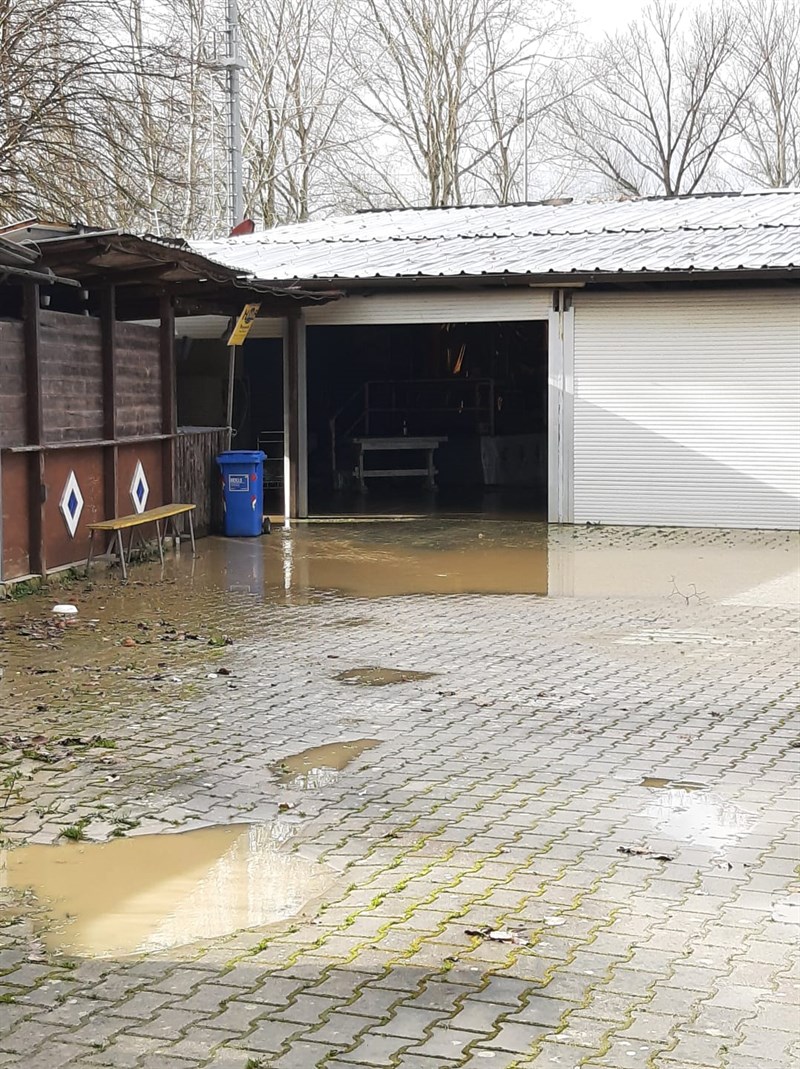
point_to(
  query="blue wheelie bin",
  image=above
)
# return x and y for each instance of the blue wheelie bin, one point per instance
(243, 491)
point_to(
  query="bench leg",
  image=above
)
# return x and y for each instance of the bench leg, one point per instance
(191, 534)
(160, 542)
(91, 548)
(121, 551)
(431, 479)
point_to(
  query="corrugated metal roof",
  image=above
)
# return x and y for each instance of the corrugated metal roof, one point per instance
(714, 232)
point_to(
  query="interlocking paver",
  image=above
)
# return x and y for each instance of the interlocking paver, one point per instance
(500, 794)
(411, 1021)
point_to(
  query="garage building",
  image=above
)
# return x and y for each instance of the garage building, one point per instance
(631, 362)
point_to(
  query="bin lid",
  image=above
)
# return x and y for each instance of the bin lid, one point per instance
(242, 456)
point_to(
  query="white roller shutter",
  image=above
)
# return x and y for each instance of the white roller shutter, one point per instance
(687, 408)
(487, 306)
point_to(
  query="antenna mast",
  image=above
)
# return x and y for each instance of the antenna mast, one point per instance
(233, 67)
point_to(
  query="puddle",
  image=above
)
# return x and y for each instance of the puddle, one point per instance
(786, 909)
(696, 817)
(320, 765)
(153, 892)
(381, 677)
(656, 783)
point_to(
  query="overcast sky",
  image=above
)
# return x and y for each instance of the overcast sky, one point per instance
(608, 15)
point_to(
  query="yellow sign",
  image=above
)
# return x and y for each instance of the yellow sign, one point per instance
(243, 324)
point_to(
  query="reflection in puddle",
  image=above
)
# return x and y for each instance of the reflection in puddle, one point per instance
(656, 783)
(153, 892)
(381, 677)
(320, 765)
(697, 817)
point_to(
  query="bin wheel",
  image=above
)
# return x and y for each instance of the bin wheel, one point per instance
(266, 525)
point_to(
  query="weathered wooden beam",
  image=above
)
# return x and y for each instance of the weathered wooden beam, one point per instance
(169, 400)
(34, 425)
(144, 275)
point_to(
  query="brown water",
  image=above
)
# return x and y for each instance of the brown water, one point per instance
(153, 892)
(152, 634)
(319, 765)
(381, 677)
(381, 558)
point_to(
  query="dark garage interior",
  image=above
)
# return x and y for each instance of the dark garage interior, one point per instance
(473, 396)
(480, 389)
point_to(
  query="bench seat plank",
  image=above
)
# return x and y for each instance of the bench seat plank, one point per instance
(163, 512)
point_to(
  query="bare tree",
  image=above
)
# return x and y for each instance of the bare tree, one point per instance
(659, 101)
(440, 83)
(768, 119)
(92, 102)
(48, 54)
(293, 98)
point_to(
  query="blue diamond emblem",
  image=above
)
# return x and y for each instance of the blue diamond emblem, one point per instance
(72, 503)
(140, 491)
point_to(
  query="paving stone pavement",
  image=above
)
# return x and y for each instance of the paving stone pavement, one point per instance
(503, 793)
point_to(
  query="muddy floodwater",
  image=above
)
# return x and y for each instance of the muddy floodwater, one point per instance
(155, 892)
(166, 629)
(319, 765)
(384, 558)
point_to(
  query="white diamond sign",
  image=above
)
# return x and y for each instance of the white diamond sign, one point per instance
(140, 489)
(71, 503)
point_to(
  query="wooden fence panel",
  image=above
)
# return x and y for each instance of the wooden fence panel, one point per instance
(12, 384)
(71, 377)
(197, 477)
(138, 380)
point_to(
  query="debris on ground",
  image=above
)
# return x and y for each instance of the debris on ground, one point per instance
(658, 783)
(49, 751)
(64, 610)
(644, 851)
(39, 631)
(516, 936)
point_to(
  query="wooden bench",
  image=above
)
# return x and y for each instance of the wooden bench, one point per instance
(159, 516)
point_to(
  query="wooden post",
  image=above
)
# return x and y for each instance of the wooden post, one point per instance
(231, 386)
(292, 393)
(33, 386)
(108, 315)
(169, 401)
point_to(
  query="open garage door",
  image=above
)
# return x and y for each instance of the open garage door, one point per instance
(413, 411)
